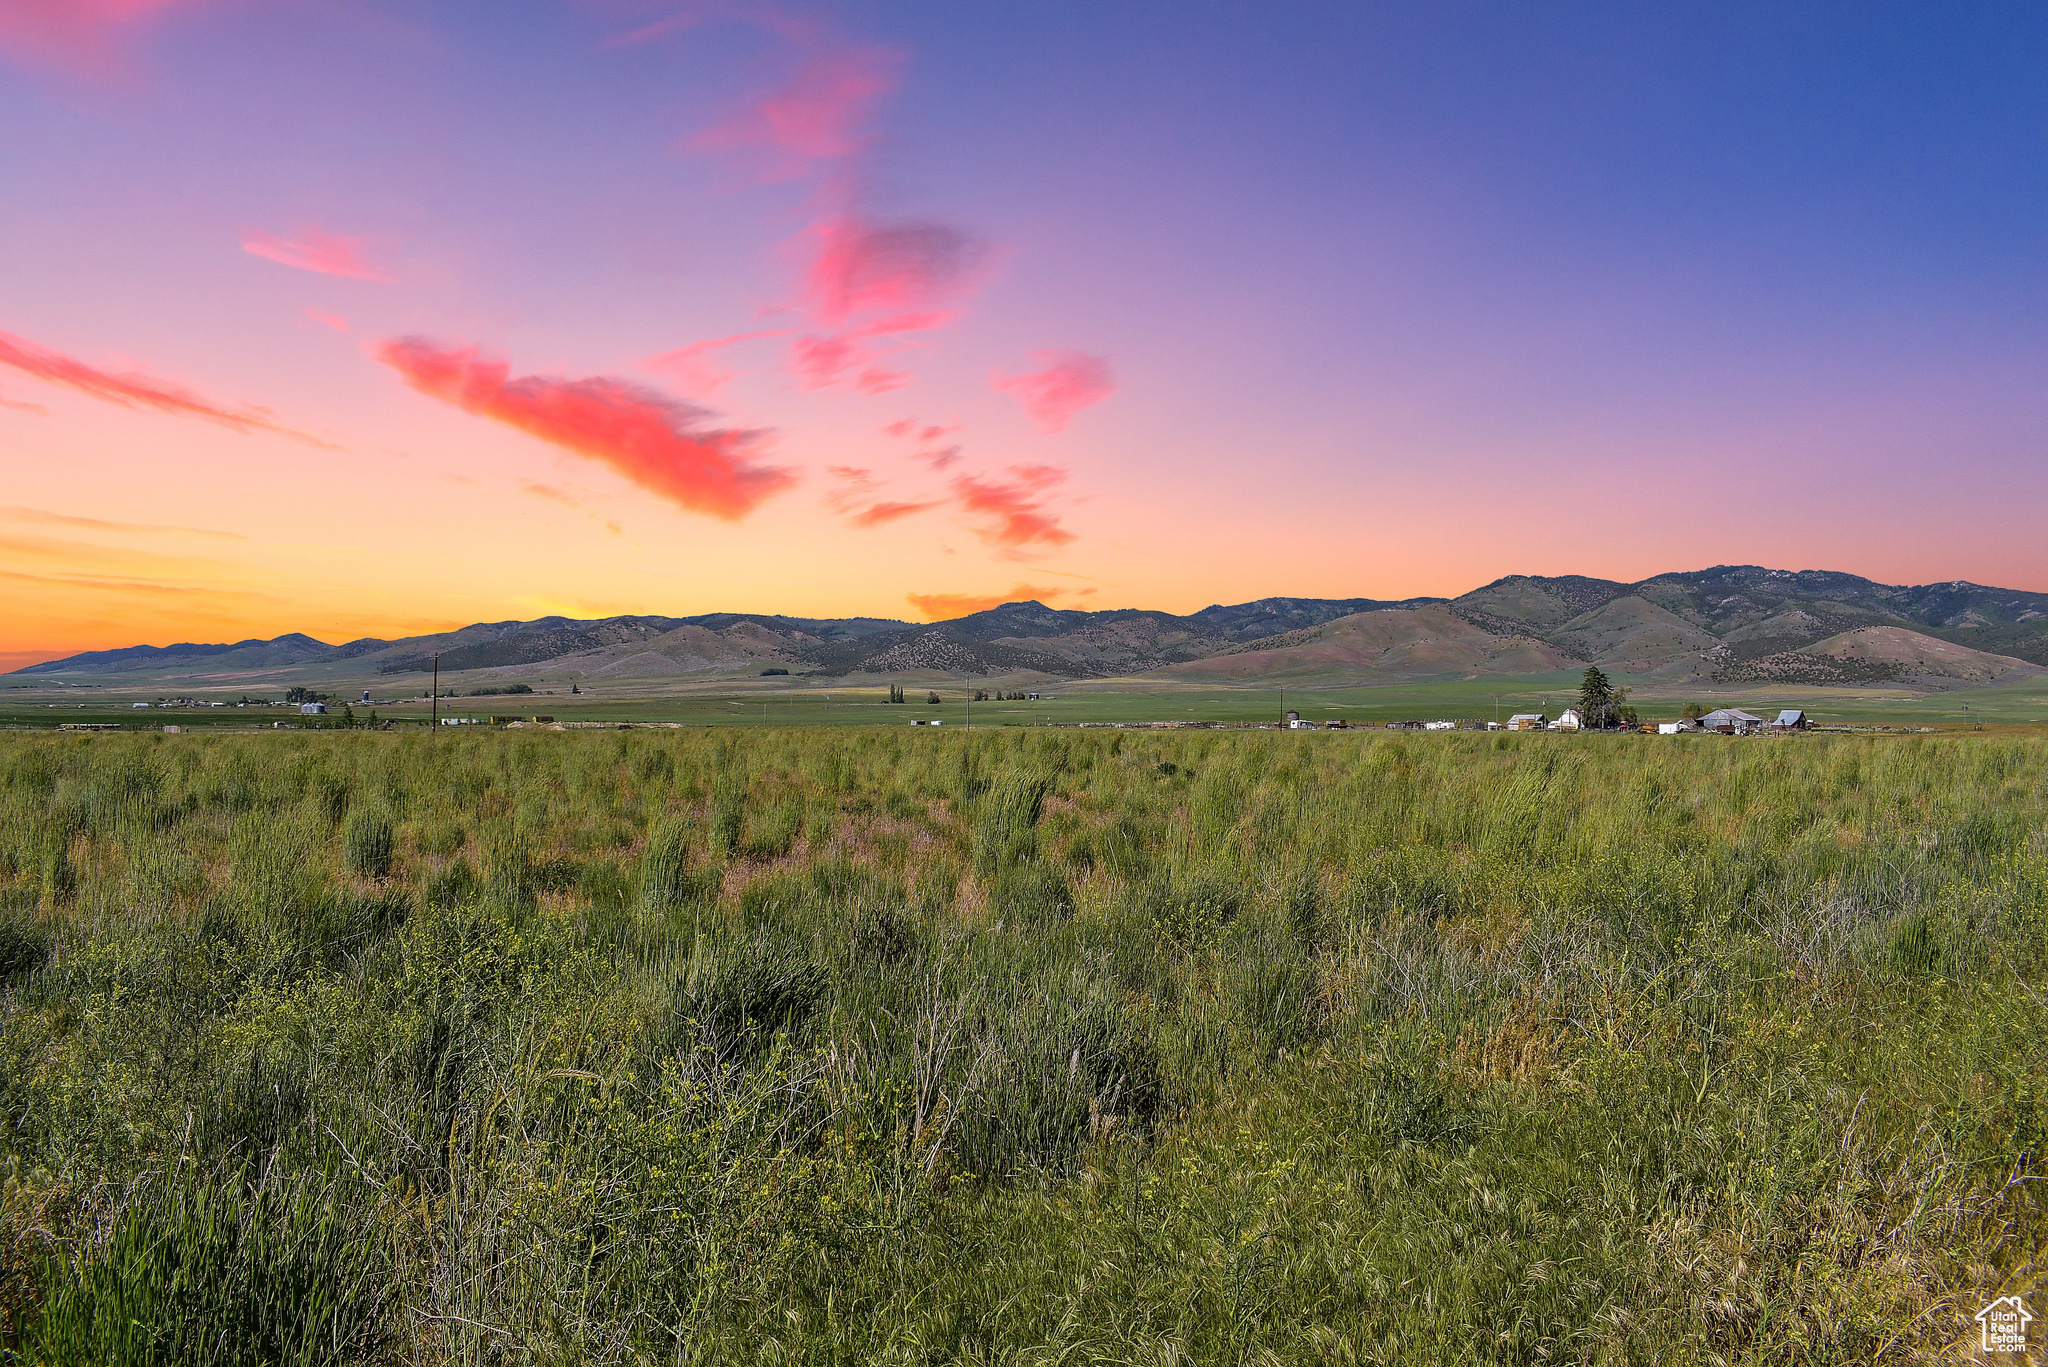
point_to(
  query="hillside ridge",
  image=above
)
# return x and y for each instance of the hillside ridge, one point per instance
(1727, 622)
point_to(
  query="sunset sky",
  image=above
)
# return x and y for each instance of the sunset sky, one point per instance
(373, 317)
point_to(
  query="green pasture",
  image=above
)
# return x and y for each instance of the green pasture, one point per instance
(777, 702)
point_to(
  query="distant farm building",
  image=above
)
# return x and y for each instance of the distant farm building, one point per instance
(1792, 719)
(1571, 719)
(1731, 721)
(312, 709)
(1527, 721)
(1439, 726)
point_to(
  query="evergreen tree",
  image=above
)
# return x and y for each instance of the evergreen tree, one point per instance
(1596, 698)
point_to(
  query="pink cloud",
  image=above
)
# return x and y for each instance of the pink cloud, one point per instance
(132, 391)
(316, 251)
(820, 361)
(21, 406)
(816, 116)
(80, 36)
(875, 380)
(858, 485)
(691, 367)
(1070, 382)
(1013, 510)
(333, 320)
(879, 514)
(937, 459)
(907, 268)
(870, 280)
(655, 441)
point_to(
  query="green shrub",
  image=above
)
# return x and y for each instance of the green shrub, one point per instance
(24, 945)
(1032, 894)
(667, 870)
(366, 842)
(741, 995)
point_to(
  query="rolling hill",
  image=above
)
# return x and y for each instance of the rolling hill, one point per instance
(1732, 623)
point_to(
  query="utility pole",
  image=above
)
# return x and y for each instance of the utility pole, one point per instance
(1496, 707)
(434, 706)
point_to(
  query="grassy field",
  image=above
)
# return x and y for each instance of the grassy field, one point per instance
(869, 1045)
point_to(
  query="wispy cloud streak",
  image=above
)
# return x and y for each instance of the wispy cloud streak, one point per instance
(692, 367)
(317, 251)
(132, 391)
(55, 519)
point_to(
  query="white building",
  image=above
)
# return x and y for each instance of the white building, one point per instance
(1527, 721)
(1570, 720)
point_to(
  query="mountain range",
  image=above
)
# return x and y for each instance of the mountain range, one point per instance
(1733, 623)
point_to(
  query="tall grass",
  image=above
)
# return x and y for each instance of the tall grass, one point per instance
(869, 1046)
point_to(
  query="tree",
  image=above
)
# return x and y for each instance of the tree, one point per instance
(1596, 698)
(895, 692)
(1693, 711)
(931, 697)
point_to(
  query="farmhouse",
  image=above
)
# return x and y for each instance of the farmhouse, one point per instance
(1570, 720)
